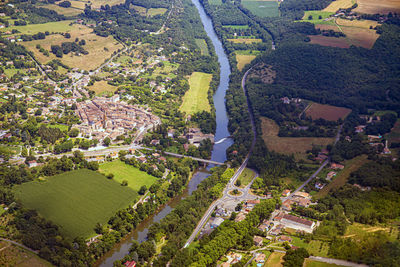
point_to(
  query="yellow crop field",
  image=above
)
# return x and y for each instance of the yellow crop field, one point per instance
(365, 24)
(243, 60)
(99, 48)
(245, 40)
(196, 98)
(338, 4)
(101, 87)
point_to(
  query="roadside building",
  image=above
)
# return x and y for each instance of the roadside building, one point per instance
(286, 193)
(258, 241)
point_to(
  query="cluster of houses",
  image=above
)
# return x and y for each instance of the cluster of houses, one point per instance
(247, 207)
(301, 199)
(108, 117)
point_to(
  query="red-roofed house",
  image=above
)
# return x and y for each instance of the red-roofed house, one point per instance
(130, 264)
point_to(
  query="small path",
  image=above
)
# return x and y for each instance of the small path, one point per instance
(19, 245)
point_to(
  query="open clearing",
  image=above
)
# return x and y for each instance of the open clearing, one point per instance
(58, 26)
(318, 17)
(275, 260)
(135, 177)
(262, 9)
(70, 11)
(201, 43)
(364, 24)
(240, 27)
(329, 41)
(327, 112)
(149, 12)
(358, 230)
(245, 40)
(246, 177)
(288, 145)
(196, 98)
(381, 7)
(312, 263)
(96, 4)
(76, 200)
(339, 4)
(100, 87)
(394, 135)
(342, 177)
(99, 48)
(11, 255)
(243, 60)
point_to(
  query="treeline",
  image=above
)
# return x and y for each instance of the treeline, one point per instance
(67, 47)
(149, 4)
(36, 15)
(381, 173)
(177, 226)
(295, 8)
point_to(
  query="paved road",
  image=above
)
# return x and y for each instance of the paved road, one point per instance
(231, 185)
(19, 245)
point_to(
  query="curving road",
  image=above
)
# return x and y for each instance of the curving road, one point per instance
(231, 185)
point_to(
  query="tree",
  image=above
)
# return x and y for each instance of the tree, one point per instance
(110, 176)
(142, 190)
(124, 183)
(107, 141)
(74, 132)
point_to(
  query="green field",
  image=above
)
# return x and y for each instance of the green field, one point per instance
(76, 200)
(58, 26)
(215, 2)
(135, 177)
(246, 177)
(201, 43)
(315, 17)
(241, 27)
(262, 9)
(196, 98)
(312, 263)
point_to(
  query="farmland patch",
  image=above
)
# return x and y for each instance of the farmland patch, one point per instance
(327, 112)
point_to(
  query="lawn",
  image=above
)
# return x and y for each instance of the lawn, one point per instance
(243, 60)
(151, 12)
(316, 14)
(99, 48)
(135, 177)
(11, 72)
(289, 145)
(100, 87)
(12, 150)
(246, 177)
(342, 177)
(76, 200)
(196, 98)
(275, 260)
(62, 127)
(262, 8)
(201, 43)
(58, 26)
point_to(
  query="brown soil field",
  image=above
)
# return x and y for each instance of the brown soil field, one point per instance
(327, 112)
(329, 41)
(361, 37)
(382, 7)
(288, 145)
(338, 4)
(265, 72)
(245, 40)
(341, 179)
(11, 255)
(99, 48)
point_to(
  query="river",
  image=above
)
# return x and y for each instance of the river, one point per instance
(218, 154)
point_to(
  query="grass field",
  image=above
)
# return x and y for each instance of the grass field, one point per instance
(99, 48)
(215, 2)
(364, 24)
(10, 149)
(11, 255)
(71, 11)
(275, 260)
(243, 60)
(245, 40)
(327, 112)
(316, 14)
(58, 26)
(100, 87)
(360, 37)
(342, 177)
(76, 200)
(246, 177)
(318, 248)
(339, 4)
(98, 3)
(196, 98)
(135, 177)
(262, 9)
(149, 12)
(201, 43)
(381, 7)
(394, 135)
(313, 263)
(288, 145)
(358, 230)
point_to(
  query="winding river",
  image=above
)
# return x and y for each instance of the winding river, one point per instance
(218, 154)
